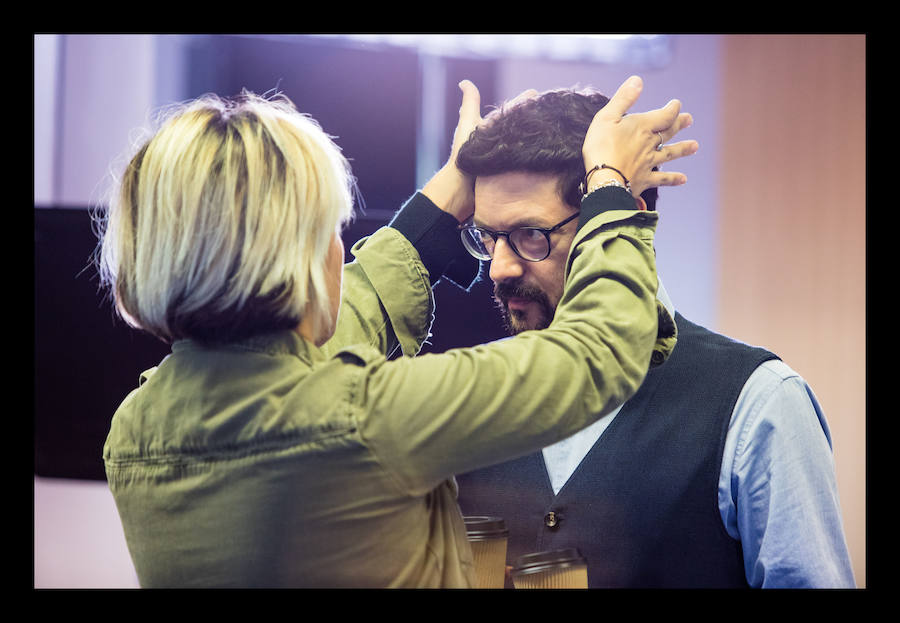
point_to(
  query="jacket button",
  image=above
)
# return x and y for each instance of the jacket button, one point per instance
(551, 520)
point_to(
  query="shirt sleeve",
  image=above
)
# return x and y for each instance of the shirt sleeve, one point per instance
(778, 491)
(429, 417)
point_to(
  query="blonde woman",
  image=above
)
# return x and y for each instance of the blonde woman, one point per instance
(276, 446)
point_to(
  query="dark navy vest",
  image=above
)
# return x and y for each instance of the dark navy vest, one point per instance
(642, 506)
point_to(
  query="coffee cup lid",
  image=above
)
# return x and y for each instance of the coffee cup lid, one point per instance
(541, 561)
(480, 527)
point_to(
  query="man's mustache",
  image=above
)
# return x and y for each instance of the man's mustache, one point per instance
(516, 289)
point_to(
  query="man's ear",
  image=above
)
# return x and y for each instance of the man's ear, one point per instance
(640, 204)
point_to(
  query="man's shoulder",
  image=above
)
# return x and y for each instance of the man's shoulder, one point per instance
(708, 356)
(692, 332)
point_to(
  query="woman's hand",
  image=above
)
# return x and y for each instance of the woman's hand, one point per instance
(450, 189)
(629, 142)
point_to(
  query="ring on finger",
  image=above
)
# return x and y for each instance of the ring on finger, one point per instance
(659, 147)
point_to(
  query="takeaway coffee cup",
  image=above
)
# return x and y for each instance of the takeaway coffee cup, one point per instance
(488, 537)
(565, 568)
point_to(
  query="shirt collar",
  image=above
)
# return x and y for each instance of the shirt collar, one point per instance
(664, 298)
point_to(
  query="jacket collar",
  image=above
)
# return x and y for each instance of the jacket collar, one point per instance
(277, 343)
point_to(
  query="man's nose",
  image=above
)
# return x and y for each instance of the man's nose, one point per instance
(505, 264)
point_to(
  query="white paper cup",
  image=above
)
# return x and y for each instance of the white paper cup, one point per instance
(488, 537)
(565, 568)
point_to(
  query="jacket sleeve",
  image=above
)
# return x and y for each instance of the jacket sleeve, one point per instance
(387, 300)
(430, 417)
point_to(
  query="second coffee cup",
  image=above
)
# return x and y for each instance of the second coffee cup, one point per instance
(565, 568)
(488, 537)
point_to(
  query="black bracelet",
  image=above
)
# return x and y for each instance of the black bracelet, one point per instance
(625, 179)
(586, 177)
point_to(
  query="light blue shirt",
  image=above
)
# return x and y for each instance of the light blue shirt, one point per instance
(777, 488)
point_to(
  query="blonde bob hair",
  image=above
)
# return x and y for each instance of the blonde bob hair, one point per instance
(220, 225)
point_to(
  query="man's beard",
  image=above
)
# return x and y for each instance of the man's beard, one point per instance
(516, 320)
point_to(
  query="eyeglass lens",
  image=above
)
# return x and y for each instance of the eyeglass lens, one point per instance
(529, 243)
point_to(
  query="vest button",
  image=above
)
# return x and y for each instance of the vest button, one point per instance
(551, 520)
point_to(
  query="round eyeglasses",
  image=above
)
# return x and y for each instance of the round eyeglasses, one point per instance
(529, 243)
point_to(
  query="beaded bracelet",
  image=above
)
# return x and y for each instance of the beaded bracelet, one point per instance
(605, 184)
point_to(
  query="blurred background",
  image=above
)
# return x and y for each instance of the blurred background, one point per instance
(766, 242)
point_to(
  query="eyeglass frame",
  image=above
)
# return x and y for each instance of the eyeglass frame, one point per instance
(464, 229)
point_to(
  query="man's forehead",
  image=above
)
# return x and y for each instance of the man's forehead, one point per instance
(518, 199)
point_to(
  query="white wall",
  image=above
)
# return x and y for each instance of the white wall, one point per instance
(46, 54)
(90, 92)
(78, 539)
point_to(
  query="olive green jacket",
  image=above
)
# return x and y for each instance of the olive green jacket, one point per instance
(273, 463)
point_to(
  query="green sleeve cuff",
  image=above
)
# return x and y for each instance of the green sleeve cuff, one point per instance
(603, 200)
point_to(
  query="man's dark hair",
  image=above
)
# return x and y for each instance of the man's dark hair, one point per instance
(543, 134)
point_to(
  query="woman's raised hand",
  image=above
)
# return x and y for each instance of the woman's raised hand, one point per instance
(636, 143)
(450, 189)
